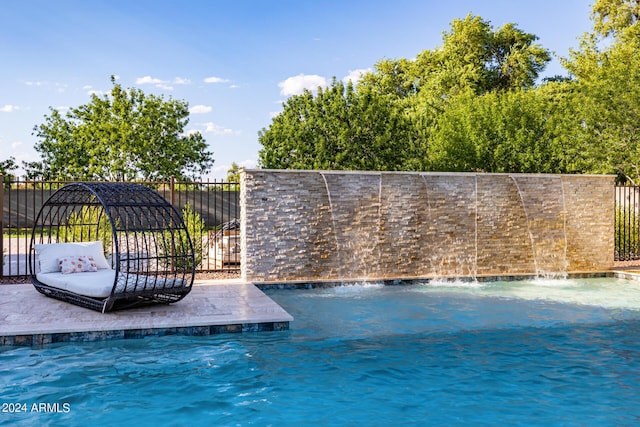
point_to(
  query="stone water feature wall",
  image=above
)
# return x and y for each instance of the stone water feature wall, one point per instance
(321, 225)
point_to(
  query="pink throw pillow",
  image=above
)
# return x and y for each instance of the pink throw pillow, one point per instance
(76, 264)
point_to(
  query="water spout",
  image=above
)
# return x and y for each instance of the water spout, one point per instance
(475, 262)
(379, 230)
(546, 225)
(352, 225)
(564, 225)
(356, 221)
(333, 218)
(526, 215)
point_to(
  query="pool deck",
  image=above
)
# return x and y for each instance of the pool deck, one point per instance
(212, 307)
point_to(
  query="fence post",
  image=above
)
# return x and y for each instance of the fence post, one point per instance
(172, 188)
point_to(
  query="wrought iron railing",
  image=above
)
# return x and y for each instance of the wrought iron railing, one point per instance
(212, 207)
(627, 227)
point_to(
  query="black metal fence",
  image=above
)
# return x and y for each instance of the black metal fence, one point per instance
(627, 227)
(211, 210)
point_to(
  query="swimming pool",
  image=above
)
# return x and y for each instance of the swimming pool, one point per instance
(511, 353)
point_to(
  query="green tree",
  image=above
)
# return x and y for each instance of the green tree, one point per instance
(125, 136)
(6, 168)
(612, 17)
(473, 56)
(233, 174)
(395, 77)
(514, 132)
(388, 121)
(339, 128)
(608, 90)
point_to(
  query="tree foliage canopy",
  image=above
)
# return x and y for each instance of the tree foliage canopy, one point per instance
(475, 104)
(472, 104)
(6, 170)
(339, 128)
(472, 56)
(386, 122)
(125, 136)
(607, 98)
(612, 17)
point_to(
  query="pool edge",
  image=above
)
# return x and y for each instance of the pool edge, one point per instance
(311, 284)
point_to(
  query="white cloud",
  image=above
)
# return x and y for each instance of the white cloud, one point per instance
(148, 80)
(216, 129)
(159, 83)
(35, 83)
(200, 109)
(91, 91)
(297, 84)
(8, 108)
(219, 171)
(215, 80)
(181, 81)
(356, 75)
(248, 164)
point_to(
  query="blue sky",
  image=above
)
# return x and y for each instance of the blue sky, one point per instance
(234, 62)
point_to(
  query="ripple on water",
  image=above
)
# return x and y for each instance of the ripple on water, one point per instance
(450, 355)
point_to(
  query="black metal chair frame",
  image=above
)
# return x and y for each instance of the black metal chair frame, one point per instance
(145, 239)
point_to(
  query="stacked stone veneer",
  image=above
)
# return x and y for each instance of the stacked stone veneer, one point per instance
(313, 225)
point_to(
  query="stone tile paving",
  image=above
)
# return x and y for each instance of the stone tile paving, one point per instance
(229, 306)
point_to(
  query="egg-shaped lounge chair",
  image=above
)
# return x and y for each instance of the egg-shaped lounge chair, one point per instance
(110, 246)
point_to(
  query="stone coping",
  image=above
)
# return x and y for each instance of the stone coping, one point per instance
(311, 284)
(431, 173)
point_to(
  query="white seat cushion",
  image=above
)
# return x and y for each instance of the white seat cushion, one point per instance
(99, 284)
(96, 284)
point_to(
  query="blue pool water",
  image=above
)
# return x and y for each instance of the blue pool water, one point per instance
(559, 353)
